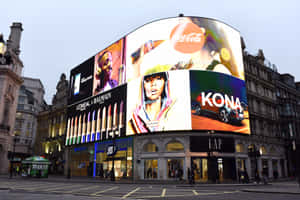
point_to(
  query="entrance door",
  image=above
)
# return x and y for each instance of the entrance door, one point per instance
(200, 169)
(150, 169)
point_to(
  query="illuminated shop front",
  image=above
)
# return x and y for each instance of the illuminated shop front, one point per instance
(122, 159)
(92, 159)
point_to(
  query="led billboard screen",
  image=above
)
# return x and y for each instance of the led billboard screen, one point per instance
(183, 73)
(99, 118)
(109, 68)
(158, 102)
(218, 102)
(184, 43)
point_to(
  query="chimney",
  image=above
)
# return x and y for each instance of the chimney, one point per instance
(13, 42)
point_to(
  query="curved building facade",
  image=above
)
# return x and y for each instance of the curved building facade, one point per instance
(167, 99)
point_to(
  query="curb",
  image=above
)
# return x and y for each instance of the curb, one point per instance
(271, 192)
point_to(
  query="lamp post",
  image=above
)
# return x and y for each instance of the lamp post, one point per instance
(2, 45)
(12, 157)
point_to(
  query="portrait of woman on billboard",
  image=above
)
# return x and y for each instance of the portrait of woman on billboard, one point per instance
(109, 68)
(157, 109)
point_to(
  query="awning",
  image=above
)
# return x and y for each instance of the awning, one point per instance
(36, 160)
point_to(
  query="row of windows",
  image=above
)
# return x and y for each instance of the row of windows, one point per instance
(171, 147)
(177, 146)
(261, 73)
(261, 90)
(263, 108)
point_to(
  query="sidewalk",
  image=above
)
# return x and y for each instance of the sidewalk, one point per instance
(290, 187)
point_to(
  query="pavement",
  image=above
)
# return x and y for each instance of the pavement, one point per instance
(280, 186)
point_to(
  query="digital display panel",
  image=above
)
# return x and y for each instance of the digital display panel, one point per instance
(109, 68)
(158, 102)
(218, 102)
(77, 84)
(81, 81)
(198, 64)
(98, 118)
(184, 43)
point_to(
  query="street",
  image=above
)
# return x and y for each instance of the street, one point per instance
(44, 189)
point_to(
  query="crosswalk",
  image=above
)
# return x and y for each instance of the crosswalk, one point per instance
(122, 191)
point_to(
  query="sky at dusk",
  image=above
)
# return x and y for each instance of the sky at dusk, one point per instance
(59, 35)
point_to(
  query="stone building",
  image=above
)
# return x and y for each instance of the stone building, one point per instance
(10, 81)
(30, 103)
(52, 128)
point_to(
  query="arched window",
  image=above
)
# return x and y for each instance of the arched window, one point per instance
(175, 146)
(239, 148)
(150, 147)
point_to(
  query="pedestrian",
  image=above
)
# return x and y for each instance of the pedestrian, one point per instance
(265, 176)
(246, 176)
(189, 176)
(257, 178)
(239, 175)
(299, 178)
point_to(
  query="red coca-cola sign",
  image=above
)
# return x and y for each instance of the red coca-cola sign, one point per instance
(187, 37)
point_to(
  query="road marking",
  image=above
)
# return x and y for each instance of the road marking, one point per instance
(102, 191)
(230, 192)
(33, 187)
(130, 193)
(80, 189)
(60, 187)
(196, 193)
(163, 192)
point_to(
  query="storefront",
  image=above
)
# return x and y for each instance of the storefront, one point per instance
(120, 160)
(217, 161)
(94, 159)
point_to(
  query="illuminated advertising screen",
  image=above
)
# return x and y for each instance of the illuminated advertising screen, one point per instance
(183, 73)
(109, 68)
(81, 81)
(98, 118)
(218, 102)
(184, 43)
(158, 102)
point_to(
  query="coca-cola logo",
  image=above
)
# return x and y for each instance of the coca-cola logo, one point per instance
(187, 37)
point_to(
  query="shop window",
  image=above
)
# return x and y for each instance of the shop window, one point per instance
(262, 150)
(150, 169)
(200, 167)
(150, 147)
(175, 146)
(239, 148)
(175, 168)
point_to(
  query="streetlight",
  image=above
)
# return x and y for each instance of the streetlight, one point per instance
(12, 158)
(2, 45)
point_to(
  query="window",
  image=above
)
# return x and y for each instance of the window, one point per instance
(239, 148)
(262, 150)
(175, 146)
(150, 147)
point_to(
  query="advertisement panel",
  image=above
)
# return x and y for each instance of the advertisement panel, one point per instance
(158, 102)
(182, 73)
(81, 81)
(218, 102)
(184, 43)
(98, 118)
(109, 67)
